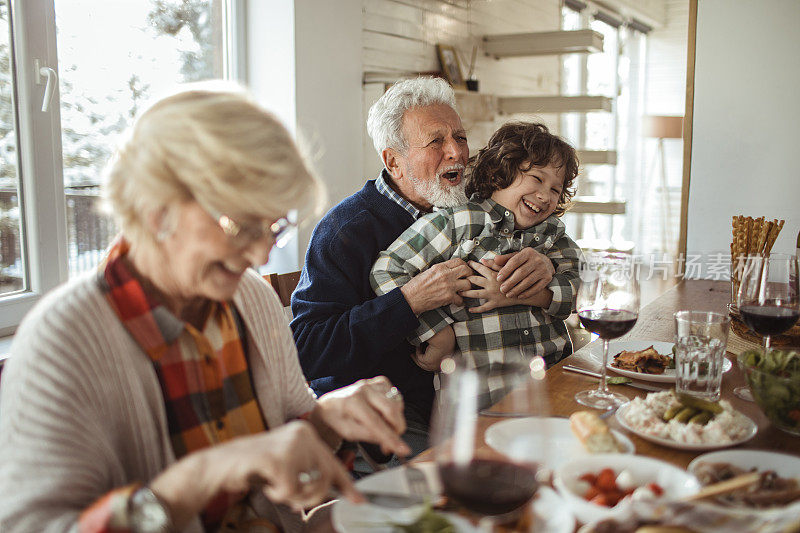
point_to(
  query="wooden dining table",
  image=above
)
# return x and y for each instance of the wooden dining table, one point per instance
(655, 323)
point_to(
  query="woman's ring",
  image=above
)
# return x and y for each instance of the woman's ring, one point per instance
(393, 394)
(307, 477)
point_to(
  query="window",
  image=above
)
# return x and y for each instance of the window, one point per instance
(112, 57)
(617, 72)
(12, 260)
(148, 46)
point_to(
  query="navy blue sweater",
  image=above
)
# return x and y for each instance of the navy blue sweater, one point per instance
(342, 330)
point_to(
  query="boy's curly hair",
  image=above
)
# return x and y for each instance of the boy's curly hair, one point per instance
(519, 146)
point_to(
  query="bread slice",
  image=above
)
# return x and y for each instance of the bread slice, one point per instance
(593, 433)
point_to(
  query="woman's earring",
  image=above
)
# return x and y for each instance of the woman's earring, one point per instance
(162, 235)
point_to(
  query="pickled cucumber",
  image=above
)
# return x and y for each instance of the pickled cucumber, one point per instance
(700, 404)
(702, 418)
(685, 414)
(672, 411)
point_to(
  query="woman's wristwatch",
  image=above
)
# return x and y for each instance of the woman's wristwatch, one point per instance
(148, 514)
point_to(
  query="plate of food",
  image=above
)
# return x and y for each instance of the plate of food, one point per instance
(644, 359)
(770, 504)
(685, 422)
(563, 439)
(778, 486)
(611, 485)
(348, 517)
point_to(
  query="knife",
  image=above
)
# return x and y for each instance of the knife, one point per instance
(391, 500)
(634, 384)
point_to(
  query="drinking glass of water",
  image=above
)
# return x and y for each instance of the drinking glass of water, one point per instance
(700, 340)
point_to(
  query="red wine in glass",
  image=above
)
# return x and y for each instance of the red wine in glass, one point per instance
(608, 323)
(608, 305)
(768, 298)
(769, 319)
(489, 486)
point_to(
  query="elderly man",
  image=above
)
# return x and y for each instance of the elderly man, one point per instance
(342, 330)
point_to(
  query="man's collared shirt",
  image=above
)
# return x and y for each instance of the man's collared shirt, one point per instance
(477, 230)
(385, 189)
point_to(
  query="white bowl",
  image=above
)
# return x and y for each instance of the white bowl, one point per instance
(676, 483)
(787, 466)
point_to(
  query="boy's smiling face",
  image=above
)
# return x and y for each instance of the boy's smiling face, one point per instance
(534, 194)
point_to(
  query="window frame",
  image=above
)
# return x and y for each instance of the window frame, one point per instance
(41, 183)
(44, 238)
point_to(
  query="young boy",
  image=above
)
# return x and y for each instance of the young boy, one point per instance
(519, 185)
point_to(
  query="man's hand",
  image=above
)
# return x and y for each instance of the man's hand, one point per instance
(522, 274)
(441, 345)
(439, 285)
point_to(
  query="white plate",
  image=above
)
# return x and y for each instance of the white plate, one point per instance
(664, 348)
(348, 517)
(518, 436)
(751, 432)
(785, 465)
(551, 513)
(366, 518)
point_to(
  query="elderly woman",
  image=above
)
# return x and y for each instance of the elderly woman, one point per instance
(163, 392)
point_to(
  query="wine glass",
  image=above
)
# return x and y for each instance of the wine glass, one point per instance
(608, 305)
(477, 478)
(768, 299)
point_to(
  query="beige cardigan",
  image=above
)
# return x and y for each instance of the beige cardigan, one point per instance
(81, 410)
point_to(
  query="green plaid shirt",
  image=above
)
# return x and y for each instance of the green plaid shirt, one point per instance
(474, 231)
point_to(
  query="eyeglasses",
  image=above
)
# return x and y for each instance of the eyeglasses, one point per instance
(241, 234)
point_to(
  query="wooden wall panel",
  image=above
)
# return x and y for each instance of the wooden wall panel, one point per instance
(401, 36)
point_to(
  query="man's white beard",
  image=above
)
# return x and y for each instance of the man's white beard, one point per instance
(439, 194)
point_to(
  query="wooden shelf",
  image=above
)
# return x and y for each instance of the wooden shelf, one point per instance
(597, 205)
(476, 107)
(597, 157)
(553, 104)
(543, 43)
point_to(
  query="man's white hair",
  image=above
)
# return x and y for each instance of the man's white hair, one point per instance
(385, 119)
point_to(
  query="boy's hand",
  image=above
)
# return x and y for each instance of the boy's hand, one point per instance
(490, 292)
(521, 274)
(488, 289)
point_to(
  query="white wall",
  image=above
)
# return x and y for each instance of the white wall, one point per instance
(746, 117)
(304, 64)
(329, 75)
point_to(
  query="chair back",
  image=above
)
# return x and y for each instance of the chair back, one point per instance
(284, 285)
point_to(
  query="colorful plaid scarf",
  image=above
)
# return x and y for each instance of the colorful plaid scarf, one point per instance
(204, 375)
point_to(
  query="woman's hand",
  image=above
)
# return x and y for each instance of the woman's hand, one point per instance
(290, 463)
(521, 274)
(369, 410)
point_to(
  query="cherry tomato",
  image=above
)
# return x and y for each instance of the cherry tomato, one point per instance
(591, 493)
(600, 499)
(607, 480)
(656, 488)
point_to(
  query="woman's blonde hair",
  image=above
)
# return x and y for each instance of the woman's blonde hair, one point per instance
(211, 143)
